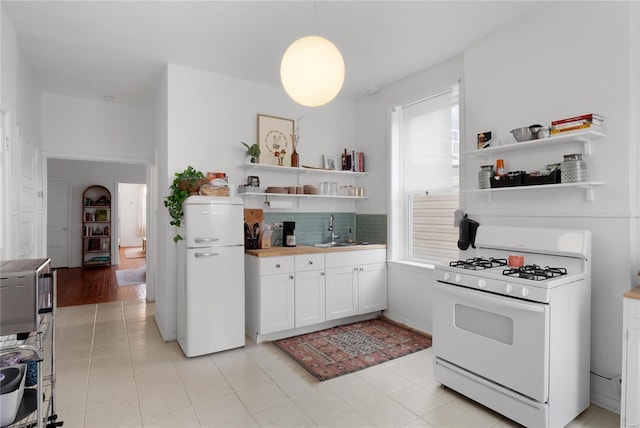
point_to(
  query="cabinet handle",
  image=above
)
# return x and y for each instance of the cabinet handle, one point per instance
(310, 262)
(290, 276)
(355, 269)
(278, 266)
(203, 240)
(321, 273)
(361, 269)
(207, 254)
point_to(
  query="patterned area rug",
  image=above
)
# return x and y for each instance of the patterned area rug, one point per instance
(340, 350)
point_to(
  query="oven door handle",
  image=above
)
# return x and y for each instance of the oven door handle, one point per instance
(489, 298)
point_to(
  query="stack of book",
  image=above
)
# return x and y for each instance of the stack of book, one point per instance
(353, 161)
(585, 121)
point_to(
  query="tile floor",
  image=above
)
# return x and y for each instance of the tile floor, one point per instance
(114, 370)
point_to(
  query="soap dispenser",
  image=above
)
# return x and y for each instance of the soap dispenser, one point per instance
(350, 237)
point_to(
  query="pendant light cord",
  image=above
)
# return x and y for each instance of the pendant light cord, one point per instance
(315, 18)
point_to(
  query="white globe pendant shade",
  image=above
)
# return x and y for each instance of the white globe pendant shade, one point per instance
(312, 71)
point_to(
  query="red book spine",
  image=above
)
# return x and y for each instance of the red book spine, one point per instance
(589, 116)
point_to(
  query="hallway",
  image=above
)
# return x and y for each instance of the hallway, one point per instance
(80, 287)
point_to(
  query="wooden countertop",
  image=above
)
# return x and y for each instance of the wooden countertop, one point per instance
(308, 249)
(634, 293)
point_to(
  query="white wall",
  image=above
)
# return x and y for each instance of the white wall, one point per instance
(208, 116)
(409, 287)
(163, 250)
(76, 128)
(83, 174)
(9, 64)
(505, 89)
(574, 58)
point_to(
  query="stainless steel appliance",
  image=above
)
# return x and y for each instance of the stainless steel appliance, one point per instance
(517, 339)
(25, 293)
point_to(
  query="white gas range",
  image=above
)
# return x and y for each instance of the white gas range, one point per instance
(517, 338)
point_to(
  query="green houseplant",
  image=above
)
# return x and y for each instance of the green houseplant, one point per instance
(253, 151)
(183, 184)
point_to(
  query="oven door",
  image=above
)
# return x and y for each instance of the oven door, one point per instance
(502, 339)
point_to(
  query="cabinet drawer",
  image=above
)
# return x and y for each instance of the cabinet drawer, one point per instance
(307, 262)
(355, 258)
(275, 265)
(634, 308)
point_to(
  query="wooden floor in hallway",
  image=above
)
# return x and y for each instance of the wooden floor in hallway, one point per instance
(77, 286)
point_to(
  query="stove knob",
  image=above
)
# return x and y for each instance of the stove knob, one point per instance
(508, 288)
(524, 292)
(458, 277)
(482, 283)
(446, 276)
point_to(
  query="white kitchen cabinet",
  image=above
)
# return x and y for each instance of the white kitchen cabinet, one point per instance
(372, 287)
(356, 283)
(342, 292)
(295, 294)
(630, 404)
(309, 289)
(269, 283)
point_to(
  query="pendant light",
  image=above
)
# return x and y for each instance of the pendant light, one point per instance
(312, 71)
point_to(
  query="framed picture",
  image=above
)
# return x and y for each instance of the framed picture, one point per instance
(102, 215)
(274, 139)
(329, 162)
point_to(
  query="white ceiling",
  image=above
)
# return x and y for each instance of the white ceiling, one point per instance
(92, 48)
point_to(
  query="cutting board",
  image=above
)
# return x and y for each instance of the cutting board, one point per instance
(253, 216)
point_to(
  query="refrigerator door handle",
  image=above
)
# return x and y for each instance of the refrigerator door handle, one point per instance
(207, 254)
(203, 240)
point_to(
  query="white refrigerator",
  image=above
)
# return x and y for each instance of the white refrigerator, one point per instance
(211, 276)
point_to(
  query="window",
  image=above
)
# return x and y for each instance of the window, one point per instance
(425, 178)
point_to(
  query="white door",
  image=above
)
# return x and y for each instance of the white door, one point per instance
(58, 222)
(214, 299)
(486, 333)
(5, 240)
(342, 293)
(276, 303)
(27, 217)
(372, 288)
(309, 296)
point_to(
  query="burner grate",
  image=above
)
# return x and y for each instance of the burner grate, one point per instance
(535, 272)
(478, 263)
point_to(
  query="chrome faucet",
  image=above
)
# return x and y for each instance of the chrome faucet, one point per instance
(334, 236)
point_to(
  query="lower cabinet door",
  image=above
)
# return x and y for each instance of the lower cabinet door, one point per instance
(372, 288)
(310, 293)
(342, 292)
(631, 381)
(276, 303)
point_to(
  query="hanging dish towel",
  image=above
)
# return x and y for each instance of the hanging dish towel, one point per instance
(468, 229)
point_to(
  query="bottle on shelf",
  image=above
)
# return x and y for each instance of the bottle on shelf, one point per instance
(500, 167)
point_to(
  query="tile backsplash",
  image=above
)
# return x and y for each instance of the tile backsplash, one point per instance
(312, 228)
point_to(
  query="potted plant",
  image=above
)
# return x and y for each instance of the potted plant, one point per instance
(182, 186)
(253, 151)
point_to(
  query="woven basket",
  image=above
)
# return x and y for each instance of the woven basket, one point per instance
(193, 189)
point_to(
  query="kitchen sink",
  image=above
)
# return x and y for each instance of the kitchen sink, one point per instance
(341, 244)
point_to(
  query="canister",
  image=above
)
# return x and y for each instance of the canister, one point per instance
(484, 176)
(573, 169)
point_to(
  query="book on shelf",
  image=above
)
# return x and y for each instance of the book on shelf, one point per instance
(353, 161)
(556, 131)
(591, 117)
